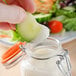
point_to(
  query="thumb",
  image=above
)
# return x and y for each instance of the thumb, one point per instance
(7, 26)
(11, 13)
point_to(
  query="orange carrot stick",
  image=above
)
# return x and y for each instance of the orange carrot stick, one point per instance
(4, 36)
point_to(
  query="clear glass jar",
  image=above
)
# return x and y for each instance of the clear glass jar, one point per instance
(46, 58)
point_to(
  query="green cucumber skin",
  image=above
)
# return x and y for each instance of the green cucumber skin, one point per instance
(17, 37)
(43, 19)
(27, 39)
(29, 28)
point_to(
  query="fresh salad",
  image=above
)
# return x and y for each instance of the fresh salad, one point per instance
(58, 15)
(28, 30)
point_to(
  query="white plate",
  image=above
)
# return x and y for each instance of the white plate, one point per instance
(6, 41)
(66, 37)
(63, 38)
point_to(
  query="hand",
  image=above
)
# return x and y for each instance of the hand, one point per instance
(14, 12)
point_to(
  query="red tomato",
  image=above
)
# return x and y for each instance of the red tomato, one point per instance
(55, 26)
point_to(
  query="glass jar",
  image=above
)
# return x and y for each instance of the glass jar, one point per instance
(46, 58)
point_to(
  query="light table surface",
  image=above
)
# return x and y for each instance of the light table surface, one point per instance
(15, 71)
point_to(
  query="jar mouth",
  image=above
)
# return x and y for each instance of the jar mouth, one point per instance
(46, 49)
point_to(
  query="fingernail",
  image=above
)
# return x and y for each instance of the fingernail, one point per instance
(12, 14)
(22, 15)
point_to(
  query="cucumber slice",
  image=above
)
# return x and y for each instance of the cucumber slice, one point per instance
(16, 36)
(42, 17)
(44, 34)
(29, 28)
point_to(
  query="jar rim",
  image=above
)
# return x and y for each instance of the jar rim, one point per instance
(26, 50)
(32, 46)
(62, 54)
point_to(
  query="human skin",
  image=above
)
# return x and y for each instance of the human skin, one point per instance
(14, 12)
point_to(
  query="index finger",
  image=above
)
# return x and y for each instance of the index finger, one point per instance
(28, 5)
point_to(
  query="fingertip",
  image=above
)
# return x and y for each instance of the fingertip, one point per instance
(32, 10)
(11, 13)
(18, 14)
(28, 5)
(31, 7)
(22, 15)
